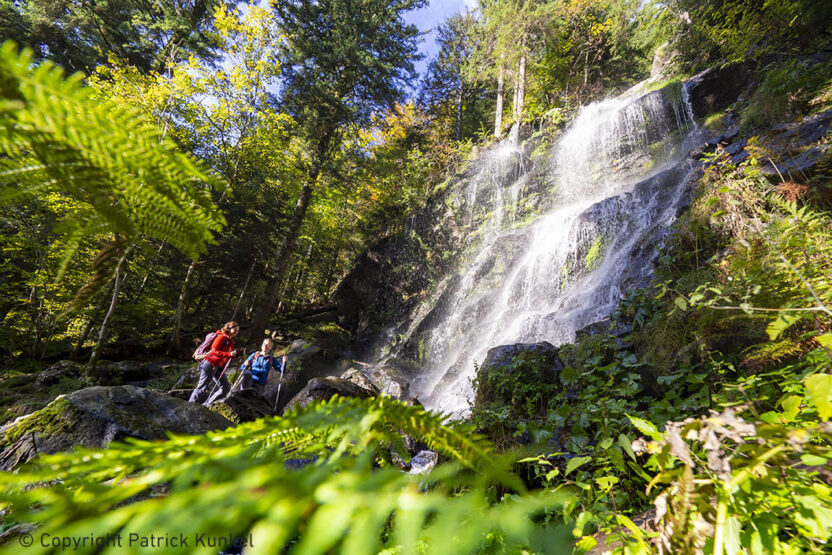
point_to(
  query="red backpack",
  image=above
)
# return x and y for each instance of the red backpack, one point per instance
(205, 347)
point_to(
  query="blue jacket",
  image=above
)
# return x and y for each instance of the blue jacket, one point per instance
(259, 366)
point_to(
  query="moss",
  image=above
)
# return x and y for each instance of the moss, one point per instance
(715, 122)
(48, 421)
(224, 410)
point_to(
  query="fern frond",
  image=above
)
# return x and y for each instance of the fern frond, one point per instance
(236, 482)
(54, 134)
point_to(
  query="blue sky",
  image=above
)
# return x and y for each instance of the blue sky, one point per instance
(428, 18)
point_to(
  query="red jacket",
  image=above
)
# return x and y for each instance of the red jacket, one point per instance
(221, 349)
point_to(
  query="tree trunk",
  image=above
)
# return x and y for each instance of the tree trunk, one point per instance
(459, 113)
(176, 337)
(498, 113)
(514, 98)
(287, 247)
(76, 352)
(243, 292)
(261, 317)
(521, 89)
(105, 324)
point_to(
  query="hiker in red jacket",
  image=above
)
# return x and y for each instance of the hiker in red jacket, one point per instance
(212, 368)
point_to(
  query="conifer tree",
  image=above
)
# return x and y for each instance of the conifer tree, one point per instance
(341, 61)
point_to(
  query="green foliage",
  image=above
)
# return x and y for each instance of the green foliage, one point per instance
(786, 90)
(238, 482)
(125, 178)
(740, 30)
(80, 35)
(733, 486)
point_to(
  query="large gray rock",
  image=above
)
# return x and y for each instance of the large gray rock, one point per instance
(323, 389)
(244, 405)
(304, 360)
(384, 380)
(97, 416)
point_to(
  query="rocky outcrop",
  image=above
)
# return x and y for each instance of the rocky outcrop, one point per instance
(304, 361)
(97, 416)
(323, 389)
(243, 405)
(717, 88)
(384, 380)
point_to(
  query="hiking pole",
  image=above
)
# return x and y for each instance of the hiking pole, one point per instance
(277, 396)
(217, 379)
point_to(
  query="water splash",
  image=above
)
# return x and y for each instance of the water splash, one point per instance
(619, 182)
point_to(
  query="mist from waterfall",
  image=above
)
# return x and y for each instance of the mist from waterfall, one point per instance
(619, 177)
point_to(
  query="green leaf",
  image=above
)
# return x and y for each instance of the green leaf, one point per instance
(681, 303)
(732, 535)
(627, 445)
(580, 522)
(783, 322)
(645, 427)
(820, 388)
(825, 340)
(791, 406)
(606, 482)
(605, 444)
(575, 463)
(813, 460)
(585, 545)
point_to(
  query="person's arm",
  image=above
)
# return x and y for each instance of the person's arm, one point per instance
(247, 364)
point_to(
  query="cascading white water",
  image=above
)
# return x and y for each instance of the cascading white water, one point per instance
(619, 182)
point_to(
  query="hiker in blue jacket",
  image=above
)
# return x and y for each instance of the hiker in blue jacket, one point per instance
(257, 366)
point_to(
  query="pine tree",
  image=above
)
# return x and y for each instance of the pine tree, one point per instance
(342, 60)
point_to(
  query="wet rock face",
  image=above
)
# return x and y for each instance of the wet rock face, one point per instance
(97, 416)
(323, 389)
(716, 88)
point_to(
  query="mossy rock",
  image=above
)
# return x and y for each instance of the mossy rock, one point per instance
(244, 405)
(97, 416)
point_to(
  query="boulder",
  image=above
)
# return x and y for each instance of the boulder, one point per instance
(384, 380)
(97, 416)
(304, 360)
(423, 462)
(243, 405)
(322, 389)
(504, 357)
(58, 371)
(538, 362)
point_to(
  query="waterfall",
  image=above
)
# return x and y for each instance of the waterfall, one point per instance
(619, 178)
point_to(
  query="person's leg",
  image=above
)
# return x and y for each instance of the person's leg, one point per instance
(203, 386)
(221, 391)
(247, 382)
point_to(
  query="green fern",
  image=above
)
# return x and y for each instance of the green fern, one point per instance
(56, 135)
(237, 482)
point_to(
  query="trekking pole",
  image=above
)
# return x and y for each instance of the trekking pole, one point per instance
(277, 396)
(217, 379)
(240, 372)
